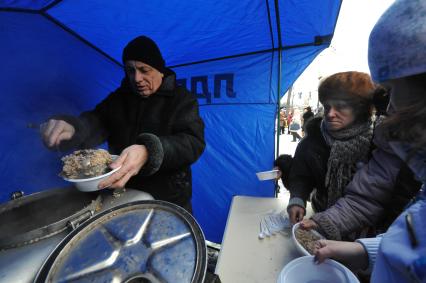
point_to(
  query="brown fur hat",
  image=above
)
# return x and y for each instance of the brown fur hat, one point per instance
(355, 88)
(347, 86)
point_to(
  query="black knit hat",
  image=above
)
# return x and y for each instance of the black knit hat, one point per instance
(144, 49)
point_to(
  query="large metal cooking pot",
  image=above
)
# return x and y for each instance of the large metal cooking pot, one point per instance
(32, 226)
(143, 241)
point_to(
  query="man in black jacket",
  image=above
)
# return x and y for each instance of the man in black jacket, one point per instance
(153, 124)
(307, 115)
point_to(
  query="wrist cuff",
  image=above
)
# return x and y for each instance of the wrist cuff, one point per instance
(155, 153)
(371, 245)
(296, 201)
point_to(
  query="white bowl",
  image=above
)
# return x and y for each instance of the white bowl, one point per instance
(267, 175)
(299, 246)
(91, 184)
(304, 270)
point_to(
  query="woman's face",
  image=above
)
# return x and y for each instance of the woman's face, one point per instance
(338, 114)
(144, 79)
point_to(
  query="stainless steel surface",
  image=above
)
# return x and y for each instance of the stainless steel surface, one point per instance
(34, 217)
(21, 264)
(153, 240)
(16, 195)
(112, 198)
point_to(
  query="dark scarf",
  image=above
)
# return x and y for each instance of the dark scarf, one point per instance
(348, 147)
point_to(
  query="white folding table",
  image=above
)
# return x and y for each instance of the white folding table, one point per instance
(244, 257)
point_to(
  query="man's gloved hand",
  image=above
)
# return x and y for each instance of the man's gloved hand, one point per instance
(296, 214)
(53, 132)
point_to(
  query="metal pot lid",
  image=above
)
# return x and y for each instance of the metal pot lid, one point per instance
(41, 215)
(142, 241)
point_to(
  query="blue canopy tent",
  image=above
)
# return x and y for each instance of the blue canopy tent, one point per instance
(238, 57)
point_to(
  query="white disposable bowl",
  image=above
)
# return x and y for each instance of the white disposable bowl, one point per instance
(299, 246)
(304, 270)
(91, 184)
(267, 175)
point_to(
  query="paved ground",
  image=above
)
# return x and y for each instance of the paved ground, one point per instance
(286, 144)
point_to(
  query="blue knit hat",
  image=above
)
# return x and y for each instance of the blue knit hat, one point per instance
(398, 41)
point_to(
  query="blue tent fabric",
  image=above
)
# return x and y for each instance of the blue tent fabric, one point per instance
(244, 116)
(64, 57)
(25, 4)
(38, 79)
(209, 30)
(302, 20)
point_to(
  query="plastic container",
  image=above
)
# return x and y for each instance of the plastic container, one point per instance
(91, 184)
(267, 175)
(304, 270)
(299, 246)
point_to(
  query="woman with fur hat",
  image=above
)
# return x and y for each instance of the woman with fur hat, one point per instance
(397, 60)
(153, 124)
(326, 159)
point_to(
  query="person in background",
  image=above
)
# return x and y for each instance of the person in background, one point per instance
(397, 60)
(153, 124)
(294, 128)
(319, 112)
(289, 121)
(306, 117)
(327, 158)
(283, 122)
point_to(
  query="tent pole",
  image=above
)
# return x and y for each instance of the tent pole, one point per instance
(280, 48)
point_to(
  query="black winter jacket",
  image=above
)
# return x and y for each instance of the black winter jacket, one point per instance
(167, 123)
(372, 200)
(309, 168)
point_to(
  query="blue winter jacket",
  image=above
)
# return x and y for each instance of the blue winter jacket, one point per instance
(401, 255)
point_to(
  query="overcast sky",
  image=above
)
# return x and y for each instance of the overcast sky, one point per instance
(348, 50)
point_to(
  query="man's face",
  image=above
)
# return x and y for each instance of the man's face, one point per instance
(144, 79)
(338, 114)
